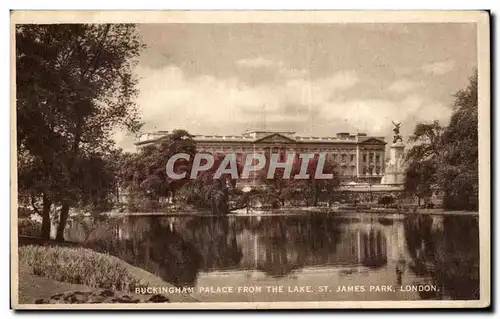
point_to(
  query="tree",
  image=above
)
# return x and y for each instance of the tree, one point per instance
(448, 157)
(423, 159)
(459, 174)
(386, 200)
(96, 178)
(74, 87)
(427, 139)
(280, 189)
(207, 191)
(144, 173)
(312, 187)
(419, 179)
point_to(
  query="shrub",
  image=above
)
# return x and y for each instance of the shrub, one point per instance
(386, 200)
(29, 227)
(24, 212)
(79, 266)
(139, 203)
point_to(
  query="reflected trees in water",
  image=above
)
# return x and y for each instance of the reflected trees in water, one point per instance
(441, 250)
(151, 245)
(449, 255)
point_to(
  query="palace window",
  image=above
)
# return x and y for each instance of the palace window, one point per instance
(344, 157)
(364, 157)
(377, 158)
(352, 157)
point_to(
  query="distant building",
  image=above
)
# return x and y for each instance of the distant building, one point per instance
(360, 157)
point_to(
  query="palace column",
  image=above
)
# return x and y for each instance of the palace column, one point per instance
(358, 161)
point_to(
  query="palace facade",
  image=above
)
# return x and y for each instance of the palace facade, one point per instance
(360, 158)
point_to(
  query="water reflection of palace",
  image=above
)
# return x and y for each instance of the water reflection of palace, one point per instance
(419, 249)
(355, 245)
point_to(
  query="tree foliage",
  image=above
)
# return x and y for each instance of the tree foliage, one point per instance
(74, 86)
(427, 139)
(448, 157)
(144, 173)
(420, 177)
(280, 189)
(459, 175)
(210, 192)
(386, 200)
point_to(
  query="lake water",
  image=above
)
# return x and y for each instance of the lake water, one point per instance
(307, 257)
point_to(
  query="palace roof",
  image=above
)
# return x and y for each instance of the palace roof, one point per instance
(263, 136)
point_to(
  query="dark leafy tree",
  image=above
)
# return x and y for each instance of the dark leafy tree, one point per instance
(145, 174)
(74, 87)
(386, 200)
(459, 173)
(419, 179)
(211, 192)
(309, 190)
(427, 139)
(448, 157)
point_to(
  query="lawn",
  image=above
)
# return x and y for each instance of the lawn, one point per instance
(45, 271)
(79, 266)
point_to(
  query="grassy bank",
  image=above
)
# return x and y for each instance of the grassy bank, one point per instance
(79, 266)
(48, 270)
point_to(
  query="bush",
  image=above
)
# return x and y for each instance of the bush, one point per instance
(142, 204)
(386, 200)
(79, 266)
(29, 227)
(24, 212)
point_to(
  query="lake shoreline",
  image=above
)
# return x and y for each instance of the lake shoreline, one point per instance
(302, 211)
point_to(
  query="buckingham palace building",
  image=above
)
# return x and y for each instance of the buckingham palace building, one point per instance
(360, 158)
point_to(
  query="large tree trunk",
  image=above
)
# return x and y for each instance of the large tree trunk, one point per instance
(75, 148)
(47, 204)
(62, 222)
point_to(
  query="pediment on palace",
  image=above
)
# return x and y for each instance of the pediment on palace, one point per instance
(275, 138)
(373, 141)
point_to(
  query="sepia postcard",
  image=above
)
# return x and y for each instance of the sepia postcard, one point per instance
(250, 159)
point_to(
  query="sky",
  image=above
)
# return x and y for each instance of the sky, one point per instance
(314, 79)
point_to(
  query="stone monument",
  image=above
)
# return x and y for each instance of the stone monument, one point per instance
(395, 168)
